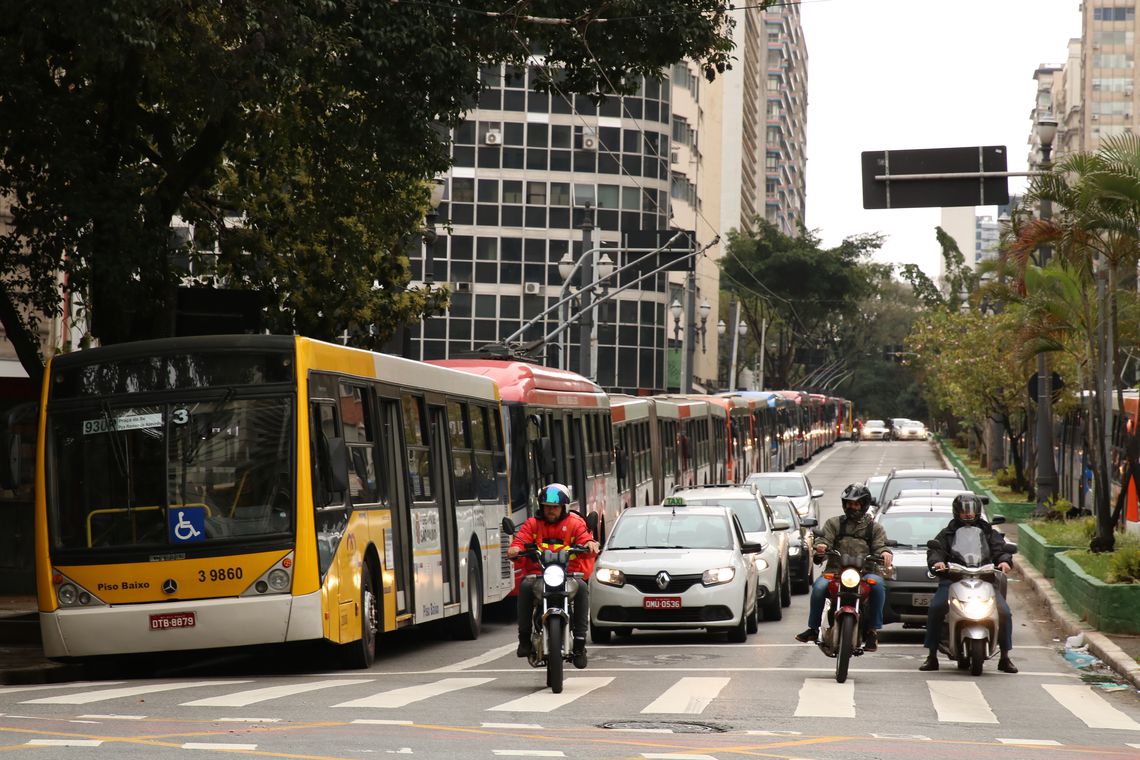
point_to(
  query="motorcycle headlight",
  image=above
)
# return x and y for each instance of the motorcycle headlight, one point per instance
(975, 608)
(554, 575)
(849, 578)
(610, 577)
(718, 575)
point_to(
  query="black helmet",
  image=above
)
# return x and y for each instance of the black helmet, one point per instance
(555, 494)
(855, 498)
(967, 508)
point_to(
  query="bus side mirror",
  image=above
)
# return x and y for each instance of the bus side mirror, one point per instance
(337, 465)
(545, 456)
(592, 523)
(9, 460)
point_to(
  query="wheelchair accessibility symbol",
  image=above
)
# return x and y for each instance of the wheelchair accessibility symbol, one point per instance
(187, 524)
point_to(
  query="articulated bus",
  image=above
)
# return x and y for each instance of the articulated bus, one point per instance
(638, 471)
(219, 491)
(559, 429)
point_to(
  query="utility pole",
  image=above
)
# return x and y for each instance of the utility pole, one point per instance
(586, 294)
(1046, 485)
(690, 332)
(763, 336)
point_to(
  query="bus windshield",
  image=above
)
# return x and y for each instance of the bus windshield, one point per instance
(170, 474)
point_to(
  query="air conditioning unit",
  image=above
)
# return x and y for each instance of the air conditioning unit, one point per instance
(493, 137)
(1096, 117)
(532, 288)
(675, 156)
(461, 287)
(589, 140)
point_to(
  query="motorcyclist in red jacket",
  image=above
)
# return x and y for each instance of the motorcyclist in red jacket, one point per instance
(556, 527)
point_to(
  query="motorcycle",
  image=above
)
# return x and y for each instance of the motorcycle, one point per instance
(550, 643)
(847, 592)
(970, 634)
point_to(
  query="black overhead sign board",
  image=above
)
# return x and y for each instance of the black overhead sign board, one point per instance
(899, 187)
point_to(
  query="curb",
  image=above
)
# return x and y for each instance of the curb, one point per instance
(1099, 644)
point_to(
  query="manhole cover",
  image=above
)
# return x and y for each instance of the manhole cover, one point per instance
(674, 726)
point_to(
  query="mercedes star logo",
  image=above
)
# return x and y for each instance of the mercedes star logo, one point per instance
(663, 580)
(169, 586)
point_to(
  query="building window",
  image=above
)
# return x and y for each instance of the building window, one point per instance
(536, 193)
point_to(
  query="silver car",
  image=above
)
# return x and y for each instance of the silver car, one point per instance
(794, 485)
(675, 568)
(761, 526)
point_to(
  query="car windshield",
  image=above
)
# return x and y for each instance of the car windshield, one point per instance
(913, 529)
(928, 482)
(675, 531)
(748, 510)
(875, 423)
(781, 486)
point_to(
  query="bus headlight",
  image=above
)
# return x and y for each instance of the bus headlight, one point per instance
(67, 595)
(278, 580)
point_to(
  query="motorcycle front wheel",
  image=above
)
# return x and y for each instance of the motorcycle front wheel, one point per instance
(555, 630)
(846, 642)
(977, 656)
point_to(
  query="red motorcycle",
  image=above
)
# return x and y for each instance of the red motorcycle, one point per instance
(847, 592)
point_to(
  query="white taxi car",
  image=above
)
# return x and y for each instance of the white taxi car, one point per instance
(683, 567)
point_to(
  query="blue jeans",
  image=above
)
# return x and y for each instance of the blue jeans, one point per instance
(877, 600)
(940, 605)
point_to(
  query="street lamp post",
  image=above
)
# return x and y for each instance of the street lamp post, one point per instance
(589, 276)
(429, 237)
(1046, 486)
(565, 269)
(737, 334)
(705, 308)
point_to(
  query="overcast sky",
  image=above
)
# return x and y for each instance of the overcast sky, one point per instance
(900, 74)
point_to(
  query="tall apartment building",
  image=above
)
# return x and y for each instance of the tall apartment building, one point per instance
(682, 153)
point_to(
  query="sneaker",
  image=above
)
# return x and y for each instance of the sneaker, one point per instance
(526, 649)
(870, 642)
(808, 636)
(1005, 665)
(930, 664)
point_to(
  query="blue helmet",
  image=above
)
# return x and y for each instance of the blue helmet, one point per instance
(555, 494)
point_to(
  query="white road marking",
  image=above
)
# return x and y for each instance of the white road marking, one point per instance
(65, 742)
(960, 702)
(71, 685)
(206, 745)
(1031, 742)
(528, 753)
(247, 720)
(774, 733)
(546, 701)
(253, 696)
(916, 737)
(824, 698)
(714, 669)
(409, 694)
(511, 725)
(471, 662)
(114, 717)
(102, 695)
(1090, 707)
(689, 695)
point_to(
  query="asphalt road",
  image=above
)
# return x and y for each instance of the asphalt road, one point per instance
(666, 696)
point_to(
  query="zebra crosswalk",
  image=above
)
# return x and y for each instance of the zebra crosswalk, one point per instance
(951, 701)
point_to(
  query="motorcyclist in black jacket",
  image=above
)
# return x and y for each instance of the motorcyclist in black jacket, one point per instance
(967, 509)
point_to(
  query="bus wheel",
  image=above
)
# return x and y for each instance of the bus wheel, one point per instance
(361, 653)
(468, 625)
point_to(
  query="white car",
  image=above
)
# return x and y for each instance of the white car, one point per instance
(911, 431)
(675, 568)
(874, 430)
(794, 485)
(761, 526)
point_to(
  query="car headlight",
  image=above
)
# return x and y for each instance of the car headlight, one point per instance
(975, 609)
(793, 551)
(554, 575)
(761, 564)
(849, 578)
(610, 577)
(718, 575)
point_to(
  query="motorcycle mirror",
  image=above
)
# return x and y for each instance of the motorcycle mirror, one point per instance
(592, 523)
(508, 527)
(997, 520)
(1010, 547)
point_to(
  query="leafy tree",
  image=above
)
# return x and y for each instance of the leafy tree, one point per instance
(314, 124)
(810, 297)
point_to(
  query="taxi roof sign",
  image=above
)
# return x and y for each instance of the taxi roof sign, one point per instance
(674, 501)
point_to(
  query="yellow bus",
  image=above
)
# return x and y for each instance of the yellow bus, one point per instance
(222, 491)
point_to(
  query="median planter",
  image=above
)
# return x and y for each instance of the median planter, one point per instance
(1108, 607)
(1034, 548)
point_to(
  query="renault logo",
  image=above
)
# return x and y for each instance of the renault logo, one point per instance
(663, 580)
(169, 586)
